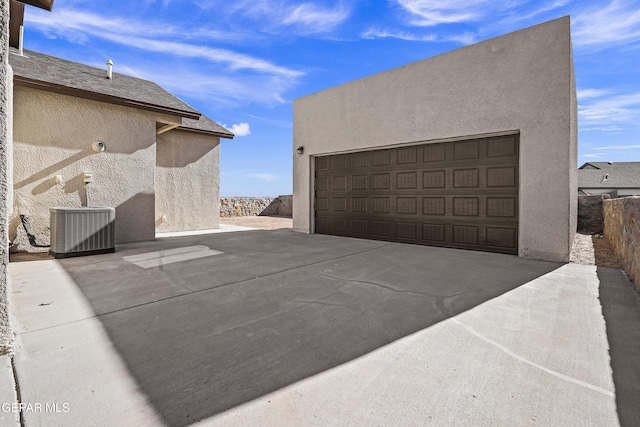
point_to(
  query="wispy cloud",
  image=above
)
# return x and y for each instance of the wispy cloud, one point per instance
(216, 88)
(213, 74)
(61, 21)
(602, 129)
(433, 12)
(591, 93)
(373, 33)
(462, 38)
(273, 122)
(539, 8)
(239, 129)
(235, 61)
(593, 155)
(267, 177)
(618, 108)
(132, 36)
(616, 24)
(278, 16)
(619, 147)
(310, 18)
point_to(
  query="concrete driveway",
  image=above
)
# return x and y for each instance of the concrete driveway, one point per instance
(280, 328)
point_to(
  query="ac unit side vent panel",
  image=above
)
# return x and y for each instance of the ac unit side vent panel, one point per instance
(82, 231)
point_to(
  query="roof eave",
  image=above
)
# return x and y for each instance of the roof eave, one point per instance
(81, 93)
(206, 132)
(42, 4)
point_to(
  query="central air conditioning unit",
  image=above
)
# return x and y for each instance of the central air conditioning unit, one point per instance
(82, 231)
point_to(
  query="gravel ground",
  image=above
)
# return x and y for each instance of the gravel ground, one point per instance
(582, 250)
(593, 250)
(261, 222)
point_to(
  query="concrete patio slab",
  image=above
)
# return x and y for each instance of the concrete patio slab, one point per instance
(283, 328)
(519, 359)
(65, 361)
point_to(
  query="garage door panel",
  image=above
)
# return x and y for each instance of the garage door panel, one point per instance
(360, 182)
(500, 147)
(407, 205)
(501, 176)
(339, 226)
(433, 153)
(322, 184)
(322, 163)
(339, 204)
(459, 194)
(359, 227)
(380, 229)
(501, 237)
(381, 158)
(322, 205)
(359, 205)
(406, 180)
(360, 160)
(502, 207)
(407, 230)
(466, 150)
(466, 234)
(433, 233)
(408, 155)
(381, 205)
(466, 206)
(434, 205)
(466, 178)
(381, 181)
(322, 225)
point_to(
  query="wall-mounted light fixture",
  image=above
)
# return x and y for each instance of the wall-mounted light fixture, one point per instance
(98, 146)
(300, 150)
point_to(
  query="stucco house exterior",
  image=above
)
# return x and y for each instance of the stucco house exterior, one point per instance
(617, 179)
(449, 151)
(160, 165)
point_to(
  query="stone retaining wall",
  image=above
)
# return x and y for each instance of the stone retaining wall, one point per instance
(255, 206)
(590, 213)
(622, 229)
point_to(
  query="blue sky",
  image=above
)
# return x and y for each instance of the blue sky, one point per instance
(243, 62)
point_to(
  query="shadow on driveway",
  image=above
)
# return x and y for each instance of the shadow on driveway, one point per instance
(206, 334)
(621, 310)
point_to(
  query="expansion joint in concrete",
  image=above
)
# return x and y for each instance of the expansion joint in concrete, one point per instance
(16, 384)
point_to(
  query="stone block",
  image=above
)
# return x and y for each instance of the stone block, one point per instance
(622, 229)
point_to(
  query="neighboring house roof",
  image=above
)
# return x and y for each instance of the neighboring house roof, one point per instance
(205, 125)
(609, 175)
(49, 73)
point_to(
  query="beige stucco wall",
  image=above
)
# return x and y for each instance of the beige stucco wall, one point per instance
(53, 134)
(6, 336)
(521, 82)
(9, 149)
(187, 181)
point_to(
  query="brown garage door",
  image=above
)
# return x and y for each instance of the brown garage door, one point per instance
(461, 194)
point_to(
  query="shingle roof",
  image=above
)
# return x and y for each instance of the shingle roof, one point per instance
(49, 73)
(205, 125)
(618, 175)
